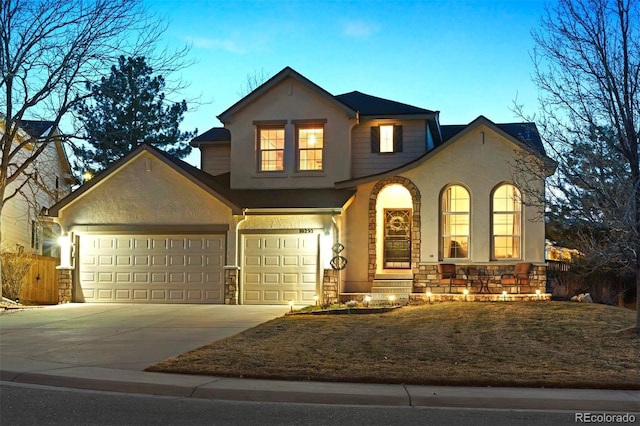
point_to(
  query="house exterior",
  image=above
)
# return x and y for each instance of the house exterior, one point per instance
(303, 195)
(23, 227)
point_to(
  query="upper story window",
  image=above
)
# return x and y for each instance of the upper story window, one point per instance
(271, 148)
(310, 146)
(386, 138)
(506, 228)
(455, 209)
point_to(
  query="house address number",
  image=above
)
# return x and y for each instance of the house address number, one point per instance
(306, 231)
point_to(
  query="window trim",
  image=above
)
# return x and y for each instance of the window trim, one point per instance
(376, 139)
(309, 124)
(274, 125)
(519, 222)
(456, 213)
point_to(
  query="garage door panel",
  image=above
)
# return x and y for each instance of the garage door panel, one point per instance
(140, 277)
(290, 295)
(270, 278)
(272, 296)
(176, 260)
(309, 260)
(159, 260)
(279, 267)
(141, 260)
(106, 260)
(290, 260)
(271, 261)
(123, 277)
(140, 295)
(152, 268)
(158, 277)
(290, 278)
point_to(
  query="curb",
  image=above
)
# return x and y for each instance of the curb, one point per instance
(210, 387)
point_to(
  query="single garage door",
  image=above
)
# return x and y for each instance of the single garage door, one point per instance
(279, 268)
(151, 268)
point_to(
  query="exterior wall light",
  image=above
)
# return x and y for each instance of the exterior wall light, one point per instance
(65, 250)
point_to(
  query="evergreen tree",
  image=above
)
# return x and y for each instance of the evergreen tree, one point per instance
(126, 109)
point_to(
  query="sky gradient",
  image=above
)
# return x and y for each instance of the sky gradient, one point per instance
(464, 58)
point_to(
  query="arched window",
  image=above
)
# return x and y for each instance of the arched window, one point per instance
(455, 210)
(506, 229)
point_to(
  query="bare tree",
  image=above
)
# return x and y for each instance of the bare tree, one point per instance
(49, 51)
(252, 82)
(587, 67)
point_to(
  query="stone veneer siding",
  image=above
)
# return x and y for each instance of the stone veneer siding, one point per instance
(415, 223)
(65, 284)
(427, 279)
(329, 287)
(231, 285)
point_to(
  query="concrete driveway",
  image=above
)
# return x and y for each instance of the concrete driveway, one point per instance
(118, 336)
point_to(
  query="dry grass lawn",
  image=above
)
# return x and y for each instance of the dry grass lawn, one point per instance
(537, 344)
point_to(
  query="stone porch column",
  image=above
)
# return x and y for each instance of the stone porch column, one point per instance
(231, 285)
(65, 284)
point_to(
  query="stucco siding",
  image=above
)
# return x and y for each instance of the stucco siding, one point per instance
(356, 242)
(365, 163)
(216, 160)
(480, 161)
(287, 101)
(145, 191)
(480, 167)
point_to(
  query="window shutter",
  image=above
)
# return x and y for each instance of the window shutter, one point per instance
(375, 139)
(397, 138)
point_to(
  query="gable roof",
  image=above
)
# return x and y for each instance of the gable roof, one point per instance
(526, 132)
(218, 186)
(287, 72)
(373, 105)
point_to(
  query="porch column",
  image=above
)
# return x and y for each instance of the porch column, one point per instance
(65, 284)
(231, 285)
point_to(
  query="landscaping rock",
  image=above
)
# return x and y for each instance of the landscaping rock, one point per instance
(584, 297)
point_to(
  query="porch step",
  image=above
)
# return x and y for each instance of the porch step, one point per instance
(382, 289)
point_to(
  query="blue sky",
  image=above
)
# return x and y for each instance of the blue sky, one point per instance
(464, 58)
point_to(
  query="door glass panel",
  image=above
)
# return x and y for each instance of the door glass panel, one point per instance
(397, 239)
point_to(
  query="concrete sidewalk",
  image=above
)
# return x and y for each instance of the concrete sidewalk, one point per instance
(106, 347)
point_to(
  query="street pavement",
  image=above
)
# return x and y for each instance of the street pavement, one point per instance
(107, 346)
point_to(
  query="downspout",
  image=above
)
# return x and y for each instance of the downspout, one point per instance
(244, 217)
(236, 267)
(336, 239)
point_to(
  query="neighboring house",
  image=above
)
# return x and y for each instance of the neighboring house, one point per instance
(23, 227)
(294, 175)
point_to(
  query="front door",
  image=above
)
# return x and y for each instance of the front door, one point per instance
(397, 239)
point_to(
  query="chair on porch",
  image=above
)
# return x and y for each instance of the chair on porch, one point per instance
(447, 275)
(521, 275)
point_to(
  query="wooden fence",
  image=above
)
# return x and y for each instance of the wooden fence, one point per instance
(41, 283)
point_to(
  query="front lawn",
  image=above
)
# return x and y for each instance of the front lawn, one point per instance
(534, 344)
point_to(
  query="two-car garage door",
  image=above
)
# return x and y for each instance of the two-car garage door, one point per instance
(151, 268)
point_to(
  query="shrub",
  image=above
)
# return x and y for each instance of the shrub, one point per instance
(15, 267)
